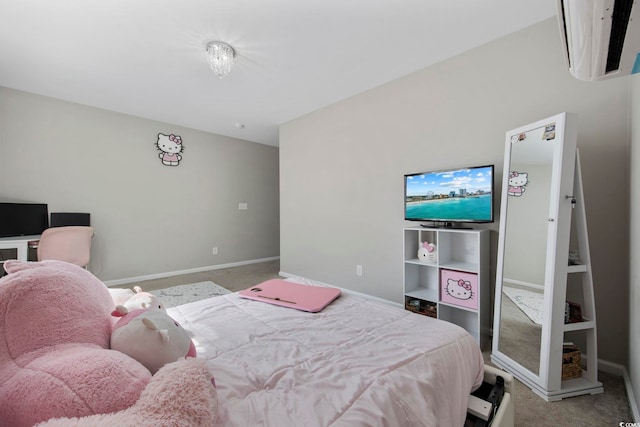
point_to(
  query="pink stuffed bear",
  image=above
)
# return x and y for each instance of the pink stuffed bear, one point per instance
(181, 393)
(55, 359)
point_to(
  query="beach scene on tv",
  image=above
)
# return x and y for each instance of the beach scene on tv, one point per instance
(453, 195)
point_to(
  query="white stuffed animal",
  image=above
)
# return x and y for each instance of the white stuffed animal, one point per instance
(135, 300)
(427, 252)
(120, 295)
(151, 337)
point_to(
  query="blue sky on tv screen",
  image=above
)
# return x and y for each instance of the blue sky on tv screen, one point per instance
(471, 179)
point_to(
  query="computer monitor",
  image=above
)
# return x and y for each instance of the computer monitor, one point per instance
(23, 219)
(66, 219)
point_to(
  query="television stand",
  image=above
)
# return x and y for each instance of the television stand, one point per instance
(20, 244)
(456, 255)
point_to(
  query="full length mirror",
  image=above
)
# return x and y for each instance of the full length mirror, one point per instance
(541, 188)
(527, 202)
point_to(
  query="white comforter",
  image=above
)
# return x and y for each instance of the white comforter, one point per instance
(358, 362)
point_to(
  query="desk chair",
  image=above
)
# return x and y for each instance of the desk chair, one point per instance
(71, 244)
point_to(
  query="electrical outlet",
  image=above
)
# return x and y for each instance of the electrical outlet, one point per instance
(215, 250)
(243, 206)
(358, 270)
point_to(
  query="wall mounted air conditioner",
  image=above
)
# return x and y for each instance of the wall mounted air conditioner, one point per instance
(601, 38)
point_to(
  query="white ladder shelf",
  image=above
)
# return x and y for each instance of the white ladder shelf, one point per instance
(588, 383)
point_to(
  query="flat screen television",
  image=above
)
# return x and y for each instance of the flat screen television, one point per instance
(23, 219)
(461, 195)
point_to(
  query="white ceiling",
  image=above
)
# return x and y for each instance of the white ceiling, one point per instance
(147, 57)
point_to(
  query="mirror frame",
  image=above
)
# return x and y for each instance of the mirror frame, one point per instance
(555, 277)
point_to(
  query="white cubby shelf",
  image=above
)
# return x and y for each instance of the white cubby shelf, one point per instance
(457, 251)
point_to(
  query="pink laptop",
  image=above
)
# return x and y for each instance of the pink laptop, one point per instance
(293, 295)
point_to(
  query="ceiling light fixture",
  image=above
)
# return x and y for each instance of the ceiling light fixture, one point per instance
(220, 56)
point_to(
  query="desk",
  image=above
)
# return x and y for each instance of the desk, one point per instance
(20, 243)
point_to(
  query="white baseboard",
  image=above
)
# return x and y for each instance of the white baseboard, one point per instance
(632, 400)
(610, 367)
(621, 370)
(117, 282)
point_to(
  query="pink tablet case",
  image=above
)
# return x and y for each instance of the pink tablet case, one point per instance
(292, 295)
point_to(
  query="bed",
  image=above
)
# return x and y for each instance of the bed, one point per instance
(358, 362)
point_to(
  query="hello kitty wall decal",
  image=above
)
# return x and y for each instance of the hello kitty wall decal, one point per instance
(517, 183)
(171, 148)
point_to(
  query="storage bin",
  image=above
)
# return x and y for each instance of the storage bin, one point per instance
(571, 362)
(419, 306)
(459, 288)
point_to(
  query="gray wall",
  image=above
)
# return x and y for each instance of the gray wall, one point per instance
(341, 167)
(634, 283)
(149, 218)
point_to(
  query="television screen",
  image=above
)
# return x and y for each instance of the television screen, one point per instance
(23, 219)
(454, 195)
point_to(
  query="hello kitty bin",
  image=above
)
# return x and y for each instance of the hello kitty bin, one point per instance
(459, 288)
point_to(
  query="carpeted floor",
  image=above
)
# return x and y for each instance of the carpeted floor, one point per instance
(234, 278)
(184, 294)
(607, 409)
(520, 336)
(531, 303)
